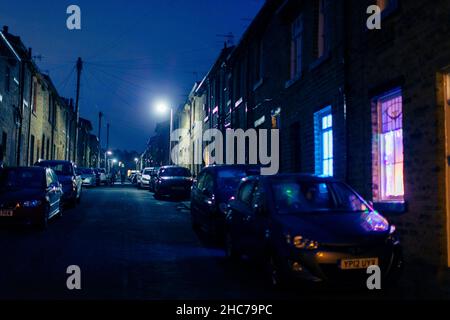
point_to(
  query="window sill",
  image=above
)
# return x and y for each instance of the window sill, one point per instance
(319, 61)
(258, 84)
(292, 81)
(391, 208)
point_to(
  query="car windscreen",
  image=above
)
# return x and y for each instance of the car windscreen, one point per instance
(61, 169)
(294, 196)
(174, 172)
(147, 172)
(229, 179)
(21, 178)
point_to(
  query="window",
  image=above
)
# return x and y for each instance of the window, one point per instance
(7, 79)
(321, 42)
(323, 127)
(389, 147)
(296, 47)
(245, 192)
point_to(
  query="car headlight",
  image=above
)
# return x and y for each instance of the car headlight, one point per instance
(373, 221)
(32, 203)
(300, 242)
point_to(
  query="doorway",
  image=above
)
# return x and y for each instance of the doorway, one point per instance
(447, 154)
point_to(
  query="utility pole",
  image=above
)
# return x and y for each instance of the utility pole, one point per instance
(107, 149)
(100, 115)
(77, 107)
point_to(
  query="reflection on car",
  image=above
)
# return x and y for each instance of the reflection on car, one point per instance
(214, 186)
(68, 177)
(310, 228)
(173, 181)
(29, 195)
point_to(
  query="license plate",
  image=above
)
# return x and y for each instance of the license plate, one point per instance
(6, 213)
(354, 264)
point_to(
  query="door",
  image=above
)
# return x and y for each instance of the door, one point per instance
(447, 153)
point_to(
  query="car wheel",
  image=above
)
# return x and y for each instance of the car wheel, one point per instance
(230, 248)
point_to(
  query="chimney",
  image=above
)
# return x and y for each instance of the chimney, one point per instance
(5, 29)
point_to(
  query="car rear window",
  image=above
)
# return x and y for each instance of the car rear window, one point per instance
(61, 169)
(21, 178)
(174, 172)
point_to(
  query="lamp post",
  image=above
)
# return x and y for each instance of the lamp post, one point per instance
(162, 107)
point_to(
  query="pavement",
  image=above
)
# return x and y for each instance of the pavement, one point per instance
(129, 245)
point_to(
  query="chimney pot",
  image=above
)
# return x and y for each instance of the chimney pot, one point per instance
(5, 29)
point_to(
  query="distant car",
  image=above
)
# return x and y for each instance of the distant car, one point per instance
(153, 177)
(144, 180)
(214, 186)
(310, 228)
(68, 177)
(138, 178)
(103, 176)
(29, 195)
(173, 181)
(87, 177)
(97, 176)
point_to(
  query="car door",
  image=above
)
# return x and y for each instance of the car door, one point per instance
(203, 200)
(242, 215)
(51, 191)
(58, 191)
(257, 227)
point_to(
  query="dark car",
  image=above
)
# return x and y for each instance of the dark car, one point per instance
(173, 181)
(29, 195)
(68, 177)
(153, 177)
(310, 228)
(214, 186)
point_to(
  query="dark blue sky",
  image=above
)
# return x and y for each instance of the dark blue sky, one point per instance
(135, 51)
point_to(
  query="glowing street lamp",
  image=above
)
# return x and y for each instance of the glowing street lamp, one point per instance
(162, 107)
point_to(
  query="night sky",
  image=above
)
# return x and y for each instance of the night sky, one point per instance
(135, 52)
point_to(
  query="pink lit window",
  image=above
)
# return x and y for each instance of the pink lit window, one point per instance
(391, 147)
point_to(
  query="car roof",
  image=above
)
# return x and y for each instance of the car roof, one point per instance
(218, 167)
(27, 168)
(298, 176)
(55, 161)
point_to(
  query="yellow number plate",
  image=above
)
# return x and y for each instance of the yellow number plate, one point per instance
(354, 264)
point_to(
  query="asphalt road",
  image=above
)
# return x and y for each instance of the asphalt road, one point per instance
(129, 246)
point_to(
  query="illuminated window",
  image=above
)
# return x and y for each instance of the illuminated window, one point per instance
(390, 146)
(296, 47)
(323, 123)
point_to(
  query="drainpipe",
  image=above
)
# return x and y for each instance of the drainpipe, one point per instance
(31, 108)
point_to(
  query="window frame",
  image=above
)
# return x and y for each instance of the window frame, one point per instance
(297, 35)
(319, 134)
(381, 179)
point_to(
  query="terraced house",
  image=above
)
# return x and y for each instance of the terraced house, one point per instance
(358, 104)
(35, 121)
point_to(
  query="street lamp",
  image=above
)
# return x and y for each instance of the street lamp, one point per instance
(162, 107)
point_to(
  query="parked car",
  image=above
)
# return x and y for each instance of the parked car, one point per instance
(144, 179)
(173, 181)
(310, 228)
(88, 177)
(153, 177)
(29, 195)
(214, 186)
(68, 177)
(100, 176)
(132, 176)
(138, 178)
